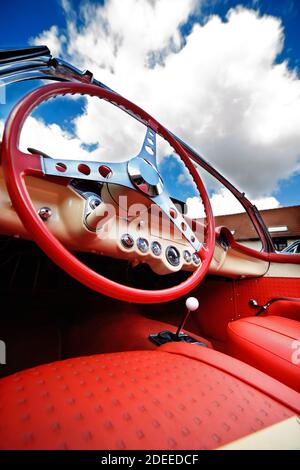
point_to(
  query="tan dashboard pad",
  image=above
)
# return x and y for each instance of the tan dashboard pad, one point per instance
(67, 223)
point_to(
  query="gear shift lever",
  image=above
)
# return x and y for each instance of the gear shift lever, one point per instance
(163, 337)
(191, 304)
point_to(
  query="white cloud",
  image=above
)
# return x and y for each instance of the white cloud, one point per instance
(51, 38)
(58, 142)
(223, 202)
(121, 37)
(182, 179)
(269, 202)
(51, 139)
(219, 88)
(118, 136)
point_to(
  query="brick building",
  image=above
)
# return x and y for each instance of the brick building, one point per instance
(283, 224)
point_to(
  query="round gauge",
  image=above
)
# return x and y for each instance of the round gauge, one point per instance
(196, 258)
(173, 255)
(142, 245)
(156, 248)
(127, 241)
(187, 256)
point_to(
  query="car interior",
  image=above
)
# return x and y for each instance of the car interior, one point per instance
(129, 323)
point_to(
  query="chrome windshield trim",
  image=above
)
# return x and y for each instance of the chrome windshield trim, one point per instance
(7, 56)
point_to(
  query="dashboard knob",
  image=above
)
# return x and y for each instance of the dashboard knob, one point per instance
(192, 304)
(45, 213)
(196, 258)
(156, 248)
(173, 255)
(142, 245)
(127, 241)
(187, 256)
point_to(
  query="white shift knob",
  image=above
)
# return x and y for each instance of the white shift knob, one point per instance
(191, 304)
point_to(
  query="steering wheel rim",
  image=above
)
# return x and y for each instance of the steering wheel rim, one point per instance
(15, 167)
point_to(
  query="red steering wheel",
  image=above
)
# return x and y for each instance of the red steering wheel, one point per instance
(17, 164)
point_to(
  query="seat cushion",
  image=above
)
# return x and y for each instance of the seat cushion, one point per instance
(177, 397)
(269, 343)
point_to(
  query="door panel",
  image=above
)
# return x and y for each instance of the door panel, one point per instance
(224, 300)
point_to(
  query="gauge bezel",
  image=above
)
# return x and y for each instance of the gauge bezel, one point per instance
(169, 261)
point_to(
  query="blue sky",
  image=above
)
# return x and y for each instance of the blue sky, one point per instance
(23, 21)
(16, 30)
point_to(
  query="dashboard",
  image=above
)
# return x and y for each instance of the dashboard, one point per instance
(93, 217)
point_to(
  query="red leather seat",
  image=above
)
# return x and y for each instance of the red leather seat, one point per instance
(178, 397)
(271, 344)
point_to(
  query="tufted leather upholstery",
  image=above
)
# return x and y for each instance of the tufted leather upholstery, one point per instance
(267, 343)
(178, 397)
